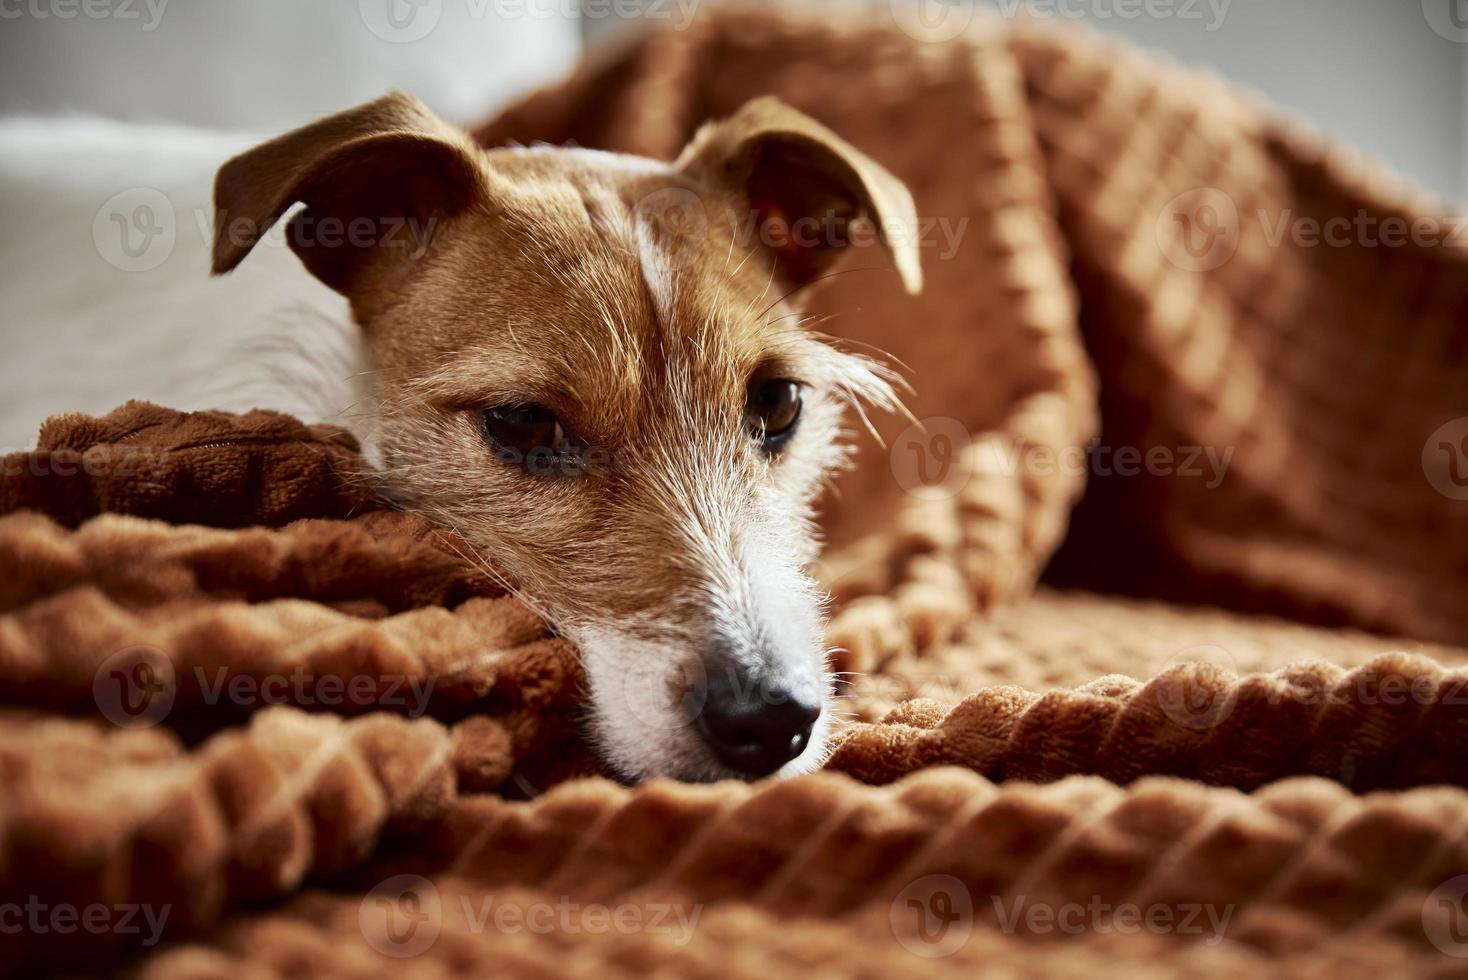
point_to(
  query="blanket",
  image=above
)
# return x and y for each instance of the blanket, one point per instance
(254, 721)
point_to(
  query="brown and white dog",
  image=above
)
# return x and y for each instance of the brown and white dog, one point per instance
(590, 366)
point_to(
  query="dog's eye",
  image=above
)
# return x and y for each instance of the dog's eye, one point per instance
(772, 410)
(532, 437)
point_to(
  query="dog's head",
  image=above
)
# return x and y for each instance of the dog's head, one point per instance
(589, 366)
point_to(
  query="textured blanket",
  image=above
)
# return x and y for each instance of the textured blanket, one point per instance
(257, 723)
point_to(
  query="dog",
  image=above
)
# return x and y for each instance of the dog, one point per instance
(593, 367)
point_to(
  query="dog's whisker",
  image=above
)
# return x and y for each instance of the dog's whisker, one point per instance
(774, 267)
(728, 256)
(747, 256)
(815, 279)
(478, 562)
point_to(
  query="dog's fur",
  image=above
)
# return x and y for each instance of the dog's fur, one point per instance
(631, 297)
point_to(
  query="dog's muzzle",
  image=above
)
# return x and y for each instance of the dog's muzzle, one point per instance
(753, 725)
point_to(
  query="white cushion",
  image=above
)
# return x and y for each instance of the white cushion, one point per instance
(106, 287)
(273, 64)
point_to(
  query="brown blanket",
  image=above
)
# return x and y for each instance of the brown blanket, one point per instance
(254, 713)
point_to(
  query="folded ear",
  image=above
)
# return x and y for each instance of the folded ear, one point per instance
(805, 186)
(377, 182)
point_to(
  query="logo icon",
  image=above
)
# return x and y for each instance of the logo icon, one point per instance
(135, 230)
(1445, 916)
(927, 459)
(933, 916)
(400, 21)
(1447, 18)
(674, 214)
(1445, 459)
(134, 687)
(651, 685)
(1186, 697)
(402, 916)
(932, 20)
(1198, 231)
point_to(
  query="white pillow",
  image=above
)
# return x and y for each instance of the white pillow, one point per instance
(273, 64)
(106, 289)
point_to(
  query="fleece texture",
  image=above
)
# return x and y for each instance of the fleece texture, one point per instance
(304, 734)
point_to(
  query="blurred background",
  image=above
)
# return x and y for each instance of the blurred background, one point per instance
(1389, 75)
(115, 113)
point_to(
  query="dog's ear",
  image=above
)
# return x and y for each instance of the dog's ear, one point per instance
(805, 186)
(377, 182)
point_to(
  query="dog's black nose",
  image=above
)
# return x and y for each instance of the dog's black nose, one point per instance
(751, 727)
